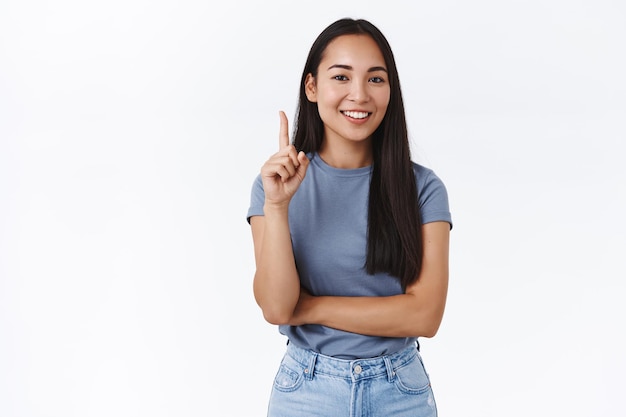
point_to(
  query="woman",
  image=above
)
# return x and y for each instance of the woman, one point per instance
(350, 238)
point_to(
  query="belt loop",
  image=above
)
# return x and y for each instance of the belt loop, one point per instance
(390, 372)
(308, 372)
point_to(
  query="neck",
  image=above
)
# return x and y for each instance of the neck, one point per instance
(347, 156)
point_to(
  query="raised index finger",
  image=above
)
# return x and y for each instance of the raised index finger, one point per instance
(283, 135)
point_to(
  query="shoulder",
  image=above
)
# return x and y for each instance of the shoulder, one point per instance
(432, 194)
(426, 178)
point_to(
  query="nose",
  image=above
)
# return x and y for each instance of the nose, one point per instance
(359, 92)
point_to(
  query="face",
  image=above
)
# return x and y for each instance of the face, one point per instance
(351, 89)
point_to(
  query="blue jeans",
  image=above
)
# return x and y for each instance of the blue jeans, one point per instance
(310, 384)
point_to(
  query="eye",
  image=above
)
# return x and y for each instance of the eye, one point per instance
(377, 80)
(340, 78)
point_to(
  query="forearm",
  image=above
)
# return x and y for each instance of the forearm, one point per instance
(417, 312)
(402, 315)
(276, 281)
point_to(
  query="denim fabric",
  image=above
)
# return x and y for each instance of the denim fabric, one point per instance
(311, 384)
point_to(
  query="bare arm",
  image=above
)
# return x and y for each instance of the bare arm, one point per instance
(417, 312)
(276, 283)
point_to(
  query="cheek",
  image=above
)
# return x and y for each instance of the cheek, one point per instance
(383, 102)
(385, 96)
(329, 97)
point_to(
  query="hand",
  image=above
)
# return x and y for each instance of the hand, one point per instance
(284, 171)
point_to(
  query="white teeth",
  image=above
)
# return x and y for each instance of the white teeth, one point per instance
(356, 114)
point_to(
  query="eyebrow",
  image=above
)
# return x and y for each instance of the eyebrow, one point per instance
(348, 67)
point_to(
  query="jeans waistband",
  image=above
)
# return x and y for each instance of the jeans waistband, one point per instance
(356, 369)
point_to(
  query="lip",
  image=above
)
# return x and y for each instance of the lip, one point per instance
(355, 120)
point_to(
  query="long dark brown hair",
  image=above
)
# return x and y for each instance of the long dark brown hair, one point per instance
(394, 238)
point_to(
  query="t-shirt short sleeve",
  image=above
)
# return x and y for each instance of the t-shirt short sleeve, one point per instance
(257, 199)
(433, 196)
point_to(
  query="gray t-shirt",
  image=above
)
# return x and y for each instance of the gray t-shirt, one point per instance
(328, 224)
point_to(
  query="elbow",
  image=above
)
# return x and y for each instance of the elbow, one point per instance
(276, 316)
(430, 331)
(426, 326)
(276, 313)
(276, 310)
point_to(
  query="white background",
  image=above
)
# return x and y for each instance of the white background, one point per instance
(131, 131)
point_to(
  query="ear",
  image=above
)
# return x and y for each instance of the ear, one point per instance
(310, 88)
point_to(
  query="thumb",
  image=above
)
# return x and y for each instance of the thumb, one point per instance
(304, 162)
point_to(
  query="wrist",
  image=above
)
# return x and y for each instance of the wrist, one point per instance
(312, 312)
(272, 208)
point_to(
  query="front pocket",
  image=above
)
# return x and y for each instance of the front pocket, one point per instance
(289, 376)
(412, 378)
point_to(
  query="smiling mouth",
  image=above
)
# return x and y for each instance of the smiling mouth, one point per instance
(355, 114)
